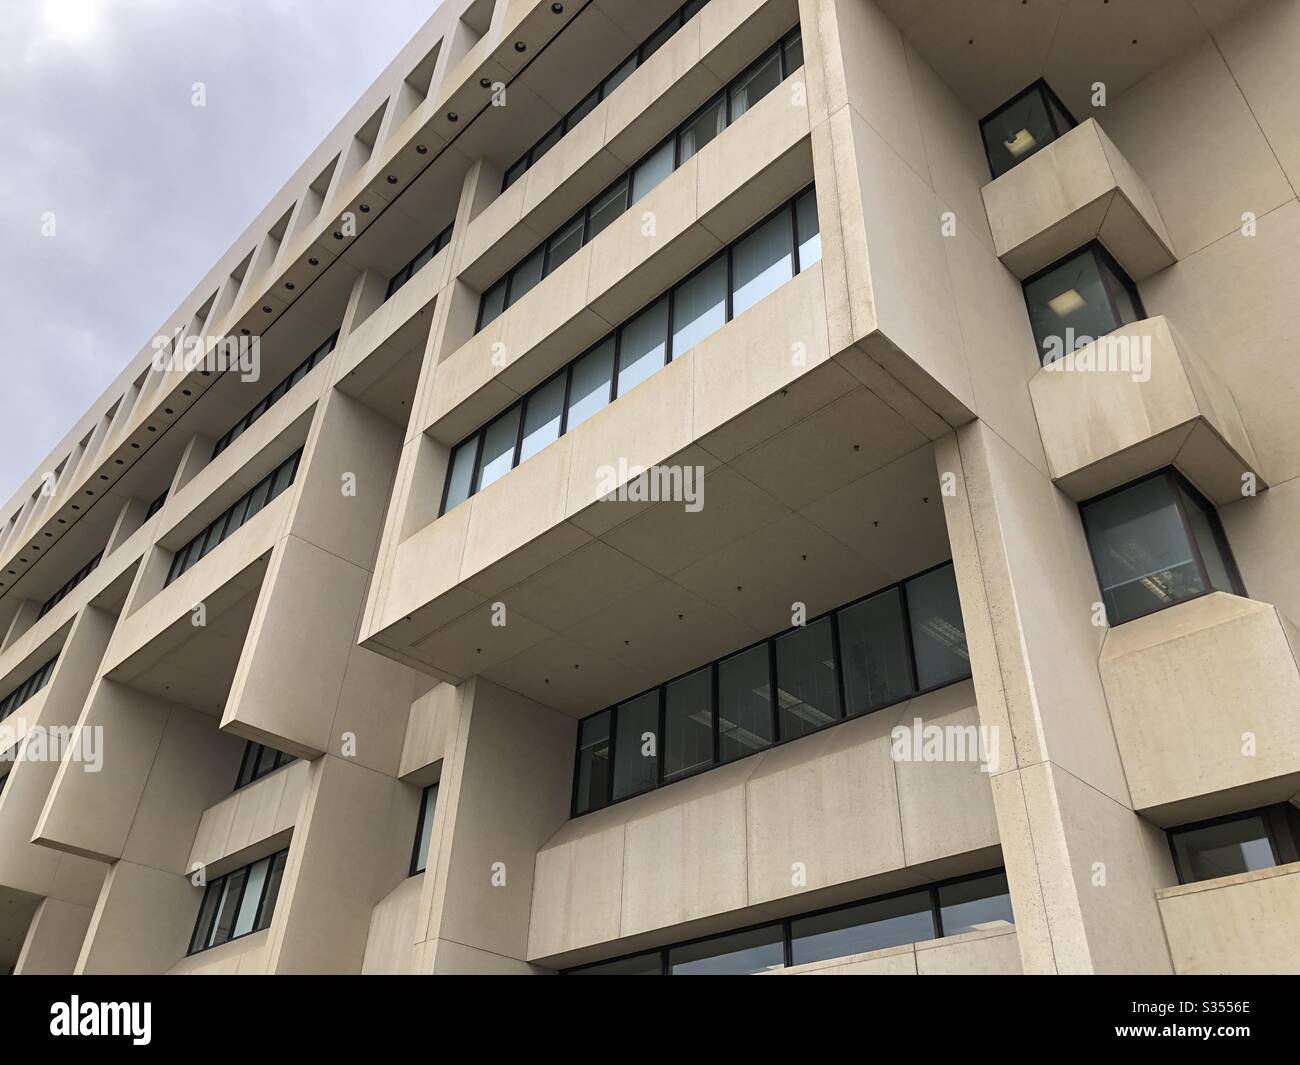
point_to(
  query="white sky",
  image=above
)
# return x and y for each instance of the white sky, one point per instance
(147, 191)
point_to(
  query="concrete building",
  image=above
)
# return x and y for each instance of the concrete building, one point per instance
(752, 486)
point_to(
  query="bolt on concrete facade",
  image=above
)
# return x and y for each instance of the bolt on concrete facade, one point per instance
(746, 486)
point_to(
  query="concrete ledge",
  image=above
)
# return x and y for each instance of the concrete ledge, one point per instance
(1248, 923)
(988, 952)
(1077, 189)
(251, 823)
(1205, 701)
(1159, 406)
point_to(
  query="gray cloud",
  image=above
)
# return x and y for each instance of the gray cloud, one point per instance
(147, 191)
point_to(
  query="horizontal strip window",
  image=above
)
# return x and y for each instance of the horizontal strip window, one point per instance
(615, 78)
(424, 829)
(896, 643)
(243, 511)
(710, 120)
(422, 259)
(69, 584)
(27, 688)
(1024, 125)
(259, 761)
(1155, 543)
(785, 243)
(1241, 843)
(969, 904)
(275, 395)
(239, 903)
(156, 505)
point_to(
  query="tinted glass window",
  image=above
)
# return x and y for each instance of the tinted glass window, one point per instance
(499, 448)
(974, 904)
(589, 386)
(1070, 304)
(807, 685)
(1204, 522)
(1019, 130)
(272, 889)
(873, 649)
(859, 929)
(810, 234)
(637, 965)
(542, 417)
(652, 170)
(567, 241)
(734, 955)
(593, 762)
(744, 703)
(636, 746)
(461, 478)
(494, 302)
(619, 76)
(643, 343)
(702, 129)
(252, 896)
(688, 724)
(612, 204)
(761, 262)
(700, 306)
(793, 54)
(428, 805)
(754, 85)
(525, 276)
(938, 633)
(1225, 849)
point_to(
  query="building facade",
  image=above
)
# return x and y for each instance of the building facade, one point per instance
(737, 486)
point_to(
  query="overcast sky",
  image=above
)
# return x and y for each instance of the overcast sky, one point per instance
(146, 190)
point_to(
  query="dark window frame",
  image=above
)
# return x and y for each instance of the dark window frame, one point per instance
(249, 761)
(402, 276)
(217, 886)
(1176, 480)
(785, 924)
(415, 868)
(898, 587)
(790, 207)
(27, 687)
(1281, 827)
(68, 585)
(780, 49)
(1102, 257)
(1041, 87)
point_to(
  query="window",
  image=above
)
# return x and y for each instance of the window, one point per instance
(665, 157)
(424, 829)
(913, 916)
(156, 505)
(69, 584)
(1026, 123)
(675, 322)
(1077, 299)
(239, 514)
(612, 81)
(422, 258)
(1241, 843)
(29, 687)
(258, 761)
(864, 656)
(239, 903)
(1155, 543)
(271, 398)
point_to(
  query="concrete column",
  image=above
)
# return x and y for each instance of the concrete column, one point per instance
(1083, 867)
(54, 939)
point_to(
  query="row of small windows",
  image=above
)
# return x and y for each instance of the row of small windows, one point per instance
(424, 829)
(948, 909)
(267, 489)
(156, 505)
(897, 642)
(620, 74)
(1154, 543)
(259, 760)
(422, 258)
(239, 903)
(785, 243)
(275, 395)
(69, 584)
(27, 689)
(691, 136)
(1240, 843)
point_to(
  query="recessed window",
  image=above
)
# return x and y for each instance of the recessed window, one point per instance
(1079, 298)
(424, 829)
(239, 903)
(258, 761)
(274, 396)
(1155, 543)
(422, 258)
(973, 903)
(29, 687)
(1242, 843)
(867, 653)
(69, 584)
(1024, 125)
(692, 310)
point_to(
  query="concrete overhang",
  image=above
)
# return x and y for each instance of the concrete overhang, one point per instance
(1135, 401)
(253, 822)
(1078, 189)
(1205, 701)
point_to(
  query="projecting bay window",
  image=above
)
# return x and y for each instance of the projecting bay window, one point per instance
(1080, 297)
(243, 511)
(974, 903)
(1024, 125)
(1155, 543)
(239, 903)
(764, 75)
(785, 243)
(1239, 843)
(893, 644)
